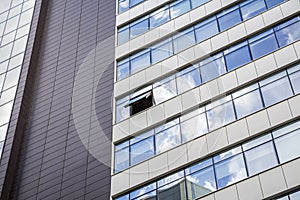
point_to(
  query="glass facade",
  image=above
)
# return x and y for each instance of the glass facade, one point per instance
(271, 40)
(212, 116)
(228, 167)
(15, 20)
(221, 63)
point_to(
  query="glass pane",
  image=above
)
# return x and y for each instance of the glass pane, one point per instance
(276, 91)
(123, 35)
(142, 150)
(288, 146)
(164, 91)
(135, 2)
(123, 70)
(25, 17)
(272, 3)
(173, 191)
(295, 196)
(3, 130)
(139, 28)
(167, 139)
(206, 29)
(19, 45)
(8, 95)
(288, 34)
(229, 18)
(2, 76)
(179, 8)
(248, 103)
(166, 125)
(122, 159)
(123, 5)
(227, 154)
(194, 127)
(220, 115)
(122, 110)
(237, 56)
(11, 24)
(159, 17)
(125, 197)
(140, 62)
(161, 51)
(12, 78)
(252, 8)
(198, 166)
(295, 80)
(263, 44)
(5, 111)
(5, 52)
(230, 171)
(212, 69)
(169, 179)
(261, 158)
(196, 3)
(201, 183)
(4, 5)
(16, 61)
(188, 81)
(186, 40)
(142, 192)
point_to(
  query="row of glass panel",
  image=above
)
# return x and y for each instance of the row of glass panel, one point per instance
(209, 117)
(191, 36)
(125, 5)
(156, 18)
(216, 65)
(291, 196)
(226, 168)
(14, 28)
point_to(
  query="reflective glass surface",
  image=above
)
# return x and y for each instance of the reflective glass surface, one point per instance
(260, 45)
(15, 19)
(221, 170)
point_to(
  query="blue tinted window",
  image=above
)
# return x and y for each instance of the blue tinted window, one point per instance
(139, 28)
(161, 51)
(123, 70)
(122, 110)
(226, 175)
(125, 197)
(206, 29)
(248, 102)
(167, 139)
(237, 56)
(123, 35)
(194, 127)
(123, 5)
(145, 192)
(212, 67)
(275, 89)
(188, 80)
(271, 3)
(184, 40)
(201, 183)
(229, 18)
(263, 44)
(252, 8)
(122, 159)
(288, 146)
(288, 32)
(140, 61)
(180, 8)
(135, 2)
(196, 3)
(294, 74)
(159, 17)
(260, 158)
(142, 150)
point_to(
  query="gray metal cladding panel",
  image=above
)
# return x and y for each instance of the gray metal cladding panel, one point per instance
(63, 167)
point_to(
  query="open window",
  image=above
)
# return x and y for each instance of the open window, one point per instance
(141, 100)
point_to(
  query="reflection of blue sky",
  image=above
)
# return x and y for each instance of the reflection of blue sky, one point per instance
(164, 91)
(204, 178)
(194, 127)
(144, 191)
(167, 139)
(188, 81)
(289, 34)
(170, 180)
(124, 3)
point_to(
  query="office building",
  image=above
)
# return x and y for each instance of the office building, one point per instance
(207, 100)
(150, 99)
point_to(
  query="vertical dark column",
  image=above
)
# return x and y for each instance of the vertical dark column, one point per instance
(53, 163)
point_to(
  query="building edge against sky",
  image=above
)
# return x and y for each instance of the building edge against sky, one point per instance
(180, 81)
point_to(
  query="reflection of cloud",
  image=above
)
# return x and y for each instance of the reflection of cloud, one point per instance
(164, 92)
(208, 185)
(194, 127)
(161, 16)
(291, 33)
(187, 81)
(230, 153)
(168, 139)
(174, 12)
(124, 4)
(170, 180)
(237, 170)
